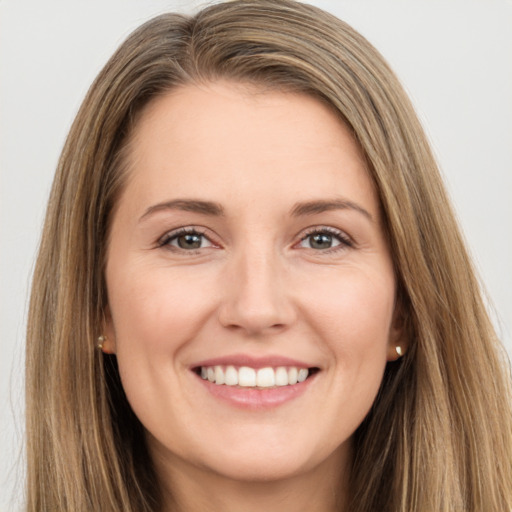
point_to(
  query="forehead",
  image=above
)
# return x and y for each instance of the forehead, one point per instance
(235, 141)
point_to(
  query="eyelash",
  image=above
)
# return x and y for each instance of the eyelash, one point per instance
(344, 241)
(166, 240)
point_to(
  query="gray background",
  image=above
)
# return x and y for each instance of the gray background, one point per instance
(453, 56)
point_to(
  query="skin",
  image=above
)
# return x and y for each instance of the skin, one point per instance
(257, 285)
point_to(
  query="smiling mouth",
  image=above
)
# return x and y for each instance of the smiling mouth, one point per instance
(255, 378)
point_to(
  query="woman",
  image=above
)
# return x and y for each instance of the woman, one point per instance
(251, 291)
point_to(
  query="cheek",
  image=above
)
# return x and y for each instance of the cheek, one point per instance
(155, 314)
(353, 318)
(355, 307)
(155, 310)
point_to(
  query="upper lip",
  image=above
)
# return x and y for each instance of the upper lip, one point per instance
(253, 361)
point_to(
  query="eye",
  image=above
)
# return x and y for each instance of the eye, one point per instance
(323, 239)
(187, 239)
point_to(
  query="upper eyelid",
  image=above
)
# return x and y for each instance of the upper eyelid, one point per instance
(203, 231)
(346, 242)
(173, 233)
(329, 229)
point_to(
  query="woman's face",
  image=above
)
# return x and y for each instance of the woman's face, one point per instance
(247, 247)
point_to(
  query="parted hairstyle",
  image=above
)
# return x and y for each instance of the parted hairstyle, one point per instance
(439, 435)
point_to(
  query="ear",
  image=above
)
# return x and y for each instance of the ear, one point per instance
(109, 333)
(398, 342)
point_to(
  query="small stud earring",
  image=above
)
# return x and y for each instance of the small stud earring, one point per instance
(399, 350)
(101, 340)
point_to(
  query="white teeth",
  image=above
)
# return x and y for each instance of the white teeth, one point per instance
(281, 376)
(231, 376)
(249, 377)
(219, 375)
(265, 378)
(303, 375)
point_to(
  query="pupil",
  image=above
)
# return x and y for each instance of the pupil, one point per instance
(189, 241)
(321, 241)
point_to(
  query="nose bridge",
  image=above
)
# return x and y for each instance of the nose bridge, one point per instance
(256, 296)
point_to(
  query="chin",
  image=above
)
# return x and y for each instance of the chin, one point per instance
(260, 469)
(266, 460)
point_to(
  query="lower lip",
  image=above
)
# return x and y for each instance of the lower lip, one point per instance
(256, 399)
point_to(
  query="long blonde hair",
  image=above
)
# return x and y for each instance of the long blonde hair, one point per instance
(439, 436)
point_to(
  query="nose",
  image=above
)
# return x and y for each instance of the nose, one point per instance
(256, 298)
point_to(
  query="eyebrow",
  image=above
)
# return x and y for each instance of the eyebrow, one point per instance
(187, 205)
(215, 209)
(314, 207)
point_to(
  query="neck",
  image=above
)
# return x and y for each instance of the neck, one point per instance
(188, 488)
